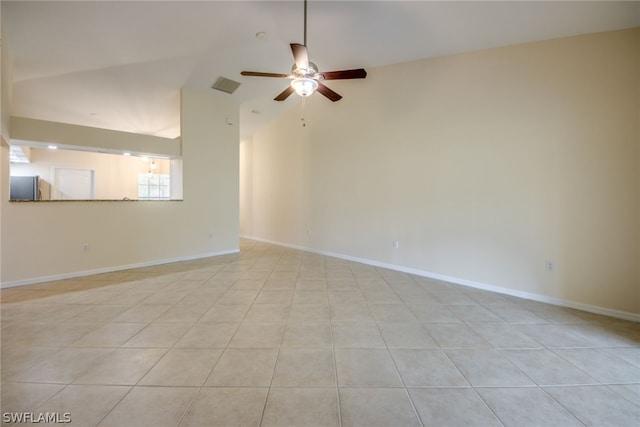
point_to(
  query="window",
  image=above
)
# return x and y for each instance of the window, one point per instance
(153, 186)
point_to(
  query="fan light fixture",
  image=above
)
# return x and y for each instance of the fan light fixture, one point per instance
(304, 74)
(304, 86)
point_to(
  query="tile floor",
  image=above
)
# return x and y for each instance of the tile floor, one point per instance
(279, 337)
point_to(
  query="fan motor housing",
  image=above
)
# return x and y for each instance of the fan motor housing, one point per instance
(310, 73)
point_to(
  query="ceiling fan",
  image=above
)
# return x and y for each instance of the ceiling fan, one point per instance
(305, 77)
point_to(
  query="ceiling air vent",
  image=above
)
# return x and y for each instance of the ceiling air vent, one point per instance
(225, 85)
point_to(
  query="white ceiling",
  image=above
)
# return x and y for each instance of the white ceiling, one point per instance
(120, 64)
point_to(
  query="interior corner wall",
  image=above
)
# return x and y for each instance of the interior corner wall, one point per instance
(44, 240)
(245, 184)
(6, 72)
(485, 167)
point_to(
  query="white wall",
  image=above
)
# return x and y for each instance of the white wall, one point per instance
(482, 166)
(42, 241)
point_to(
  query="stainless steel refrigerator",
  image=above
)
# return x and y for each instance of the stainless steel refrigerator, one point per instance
(24, 188)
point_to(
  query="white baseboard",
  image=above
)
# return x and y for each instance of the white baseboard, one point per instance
(470, 283)
(75, 274)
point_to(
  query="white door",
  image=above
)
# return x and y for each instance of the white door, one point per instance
(74, 184)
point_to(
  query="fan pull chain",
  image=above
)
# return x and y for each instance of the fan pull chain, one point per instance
(304, 124)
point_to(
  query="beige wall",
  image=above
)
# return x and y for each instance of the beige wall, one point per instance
(6, 69)
(42, 241)
(116, 176)
(483, 166)
(84, 137)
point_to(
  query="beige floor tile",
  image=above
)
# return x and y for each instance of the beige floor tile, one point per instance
(365, 368)
(63, 312)
(64, 366)
(129, 298)
(311, 280)
(300, 407)
(258, 334)
(346, 296)
(356, 312)
(109, 335)
(556, 314)
(184, 313)
(125, 366)
(165, 297)
(453, 298)
(376, 407)
(352, 340)
(412, 292)
(487, 368)
(554, 336)
(342, 284)
(310, 296)
(151, 406)
(547, 368)
(226, 406)
(207, 297)
(511, 314)
(238, 297)
(357, 335)
(430, 368)
(183, 367)
(631, 355)
(267, 313)
(607, 334)
(392, 313)
(100, 313)
(208, 335)
(455, 336)
(59, 334)
(226, 313)
(26, 397)
(158, 335)
(474, 314)
(309, 312)
(305, 367)
(596, 405)
(406, 335)
(452, 407)
(631, 392)
(502, 335)
(381, 296)
(248, 284)
(274, 297)
(307, 334)
(602, 364)
(432, 313)
(251, 367)
(276, 284)
(526, 406)
(85, 404)
(142, 313)
(18, 358)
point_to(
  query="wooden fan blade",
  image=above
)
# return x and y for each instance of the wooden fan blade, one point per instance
(259, 74)
(333, 96)
(300, 55)
(358, 73)
(284, 94)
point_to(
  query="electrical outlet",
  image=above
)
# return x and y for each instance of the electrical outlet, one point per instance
(85, 247)
(396, 244)
(550, 265)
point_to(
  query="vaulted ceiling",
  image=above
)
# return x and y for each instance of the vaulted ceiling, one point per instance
(121, 64)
